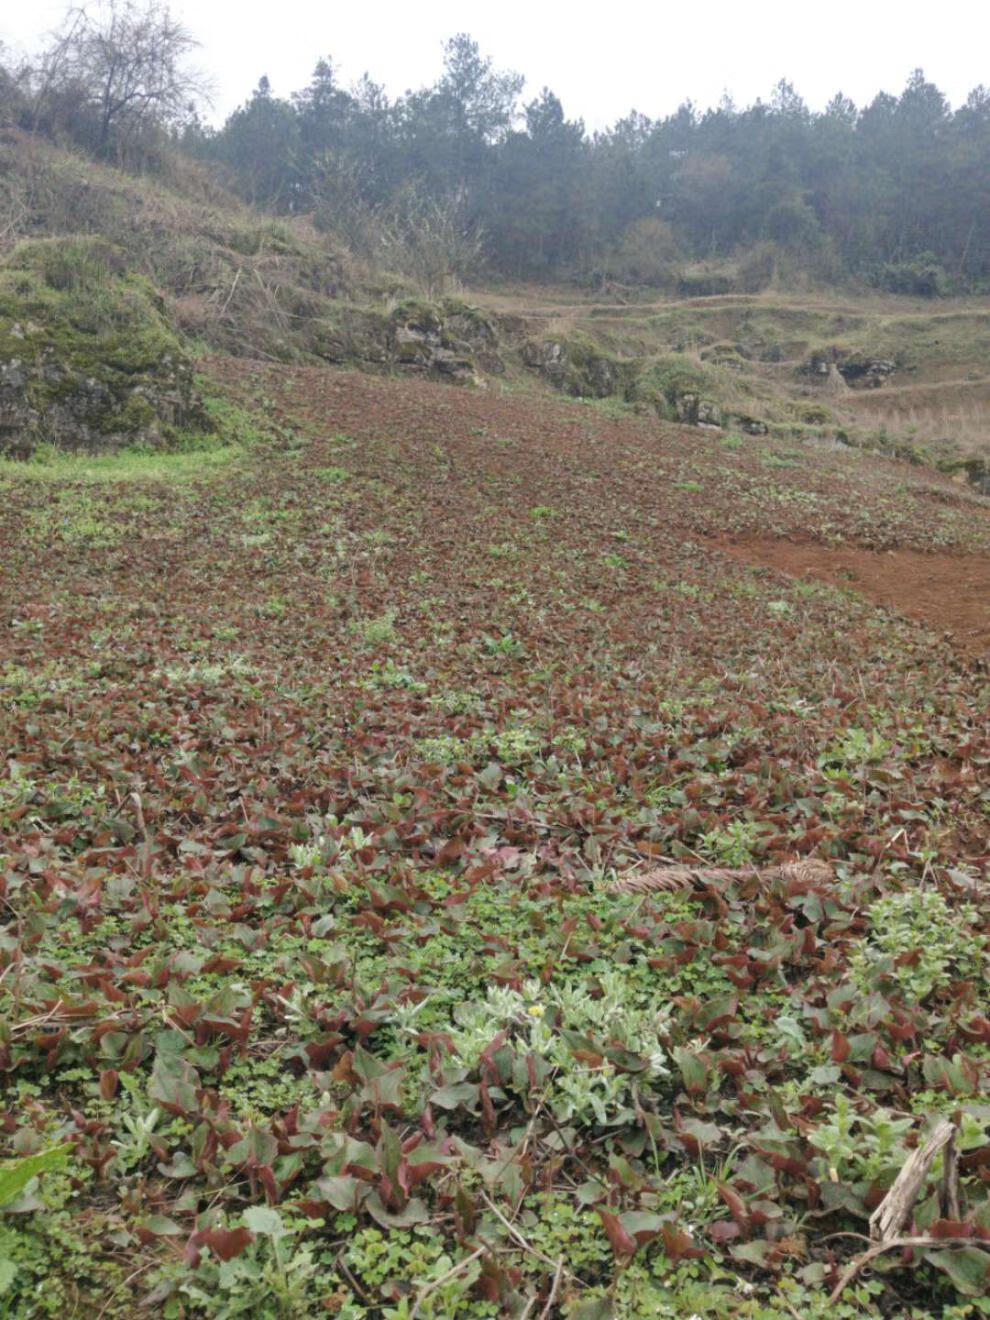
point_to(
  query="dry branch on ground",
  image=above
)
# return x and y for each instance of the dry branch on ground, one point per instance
(809, 871)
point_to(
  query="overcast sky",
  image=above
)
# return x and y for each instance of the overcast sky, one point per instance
(602, 60)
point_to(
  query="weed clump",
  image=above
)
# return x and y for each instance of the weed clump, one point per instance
(917, 942)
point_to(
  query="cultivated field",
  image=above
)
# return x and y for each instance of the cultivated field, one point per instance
(322, 757)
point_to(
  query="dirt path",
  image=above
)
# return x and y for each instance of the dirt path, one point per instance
(949, 593)
(536, 304)
(962, 384)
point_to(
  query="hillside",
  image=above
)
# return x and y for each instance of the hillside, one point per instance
(494, 812)
(324, 759)
(899, 375)
(228, 273)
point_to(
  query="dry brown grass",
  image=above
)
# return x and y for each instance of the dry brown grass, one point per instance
(230, 275)
(951, 418)
(793, 876)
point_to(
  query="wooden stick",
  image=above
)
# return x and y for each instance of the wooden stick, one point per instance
(898, 1244)
(223, 309)
(950, 1183)
(893, 1212)
(545, 1313)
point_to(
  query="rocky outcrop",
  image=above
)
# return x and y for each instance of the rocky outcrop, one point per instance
(450, 340)
(750, 425)
(420, 341)
(87, 358)
(858, 370)
(679, 390)
(47, 399)
(471, 329)
(694, 410)
(974, 471)
(577, 366)
(866, 372)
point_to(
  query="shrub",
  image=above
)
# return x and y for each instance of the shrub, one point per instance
(794, 225)
(647, 254)
(922, 277)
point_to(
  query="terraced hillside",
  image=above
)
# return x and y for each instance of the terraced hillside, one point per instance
(899, 375)
(328, 760)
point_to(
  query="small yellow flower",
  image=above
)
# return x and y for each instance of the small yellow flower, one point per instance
(535, 1010)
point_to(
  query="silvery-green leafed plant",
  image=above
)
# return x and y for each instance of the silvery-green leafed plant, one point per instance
(541, 1018)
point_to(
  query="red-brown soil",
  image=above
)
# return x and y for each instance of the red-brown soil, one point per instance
(912, 540)
(950, 593)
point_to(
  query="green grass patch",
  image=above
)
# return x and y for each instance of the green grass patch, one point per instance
(125, 465)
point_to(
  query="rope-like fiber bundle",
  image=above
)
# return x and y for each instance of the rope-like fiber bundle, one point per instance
(670, 878)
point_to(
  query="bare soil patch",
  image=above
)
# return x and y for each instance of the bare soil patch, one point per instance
(950, 593)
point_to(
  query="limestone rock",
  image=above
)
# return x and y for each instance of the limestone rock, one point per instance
(709, 414)
(450, 341)
(87, 358)
(866, 372)
(857, 370)
(576, 366)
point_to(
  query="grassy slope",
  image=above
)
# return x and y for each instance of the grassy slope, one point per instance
(244, 282)
(319, 765)
(229, 275)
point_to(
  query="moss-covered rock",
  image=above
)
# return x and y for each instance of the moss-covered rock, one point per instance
(356, 335)
(858, 369)
(681, 390)
(87, 357)
(448, 340)
(422, 342)
(578, 366)
(470, 326)
(750, 425)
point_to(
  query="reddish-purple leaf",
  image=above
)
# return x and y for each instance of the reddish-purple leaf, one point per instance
(623, 1243)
